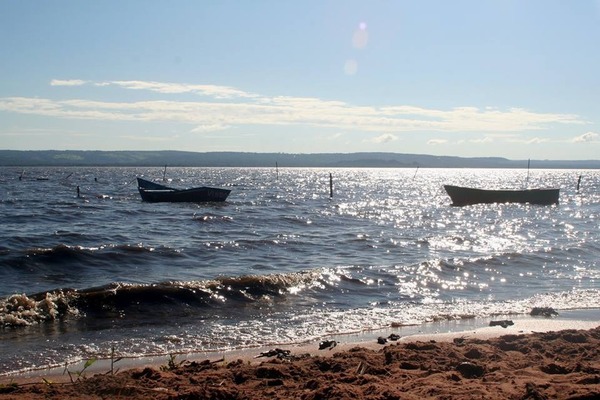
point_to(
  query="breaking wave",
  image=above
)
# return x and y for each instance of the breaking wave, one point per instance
(124, 299)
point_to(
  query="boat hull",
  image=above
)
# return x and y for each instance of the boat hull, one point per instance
(463, 196)
(144, 184)
(196, 195)
(157, 193)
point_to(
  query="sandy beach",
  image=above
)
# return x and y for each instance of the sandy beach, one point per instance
(530, 359)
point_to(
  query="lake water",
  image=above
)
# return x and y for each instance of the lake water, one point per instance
(280, 261)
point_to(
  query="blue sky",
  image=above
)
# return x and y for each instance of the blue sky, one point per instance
(506, 78)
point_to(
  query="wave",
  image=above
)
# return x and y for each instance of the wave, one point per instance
(20, 310)
(63, 254)
(123, 299)
(442, 279)
(208, 217)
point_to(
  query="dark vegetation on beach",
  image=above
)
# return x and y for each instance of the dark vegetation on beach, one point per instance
(241, 159)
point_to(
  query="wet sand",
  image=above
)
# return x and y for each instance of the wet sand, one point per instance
(535, 358)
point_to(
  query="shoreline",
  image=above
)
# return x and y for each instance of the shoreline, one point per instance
(520, 361)
(444, 331)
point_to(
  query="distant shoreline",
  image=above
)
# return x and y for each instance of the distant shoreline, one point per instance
(92, 158)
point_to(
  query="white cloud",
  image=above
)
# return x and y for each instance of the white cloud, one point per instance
(209, 128)
(536, 140)
(215, 91)
(435, 142)
(586, 137)
(70, 82)
(218, 92)
(226, 107)
(484, 140)
(385, 138)
(533, 140)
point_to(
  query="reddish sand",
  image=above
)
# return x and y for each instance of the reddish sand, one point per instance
(552, 365)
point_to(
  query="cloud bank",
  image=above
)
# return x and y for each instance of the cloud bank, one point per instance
(214, 107)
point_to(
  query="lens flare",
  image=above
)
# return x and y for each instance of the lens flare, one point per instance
(350, 67)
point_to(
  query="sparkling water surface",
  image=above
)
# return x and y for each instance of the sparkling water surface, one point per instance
(280, 261)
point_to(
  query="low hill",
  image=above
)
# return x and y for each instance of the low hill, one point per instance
(242, 159)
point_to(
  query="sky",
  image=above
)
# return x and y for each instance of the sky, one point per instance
(472, 78)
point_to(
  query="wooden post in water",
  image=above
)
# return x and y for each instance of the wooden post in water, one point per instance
(165, 174)
(330, 185)
(578, 183)
(415, 175)
(277, 170)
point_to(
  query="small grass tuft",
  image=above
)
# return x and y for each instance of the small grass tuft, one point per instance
(171, 364)
(79, 375)
(113, 361)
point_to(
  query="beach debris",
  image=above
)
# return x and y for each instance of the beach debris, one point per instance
(8, 388)
(381, 340)
(198, 366)
(459, 340)
(533, 392)
(474, 353)
(279, 353)
(543, 312)
(393, 337)
(504, 323)
(327, 344)
(470, 370)
(362, 367)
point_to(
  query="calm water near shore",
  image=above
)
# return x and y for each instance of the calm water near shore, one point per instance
(280, 261)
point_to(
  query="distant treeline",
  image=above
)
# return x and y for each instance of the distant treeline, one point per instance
(241, 159)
